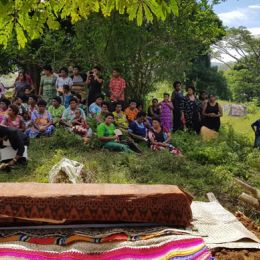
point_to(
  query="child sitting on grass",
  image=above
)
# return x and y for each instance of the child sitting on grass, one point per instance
(79, 126)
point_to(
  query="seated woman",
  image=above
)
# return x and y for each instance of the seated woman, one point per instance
(154, 110)
(56, 110)
(19, 103)
(108, 138)
(120, 117)
(95, 107)
(159, 139)
(32, 104)
(79, 126)
(41, 121)
(138, 128)
(69, 113)
(4, 104)
(102, 115)
(12, 119)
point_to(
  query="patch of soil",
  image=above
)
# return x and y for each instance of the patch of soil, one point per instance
(225, 254)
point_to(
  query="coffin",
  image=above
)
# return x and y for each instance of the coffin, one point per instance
(95, 203)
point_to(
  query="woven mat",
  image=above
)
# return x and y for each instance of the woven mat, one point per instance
(170, 247)
(220, 228)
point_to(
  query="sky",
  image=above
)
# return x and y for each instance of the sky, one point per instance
(235, 13)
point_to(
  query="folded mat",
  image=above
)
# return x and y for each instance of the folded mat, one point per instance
(165, 247)
(61, 203)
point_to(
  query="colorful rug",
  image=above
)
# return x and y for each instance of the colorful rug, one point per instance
(158, 248)
(89, 236)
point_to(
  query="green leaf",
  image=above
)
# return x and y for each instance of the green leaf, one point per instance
(139, 17)
(21, 39)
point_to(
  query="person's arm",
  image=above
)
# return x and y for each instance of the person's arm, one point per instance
(220, 109)
(123, 86)
(204, 111)
(22, 126)
(168, 139)
(170, 105)
(254, 127)
(99, 80)
(4, 121)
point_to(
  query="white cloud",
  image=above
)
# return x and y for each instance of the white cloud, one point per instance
(234, 16)
(255, 30)
(254, 6)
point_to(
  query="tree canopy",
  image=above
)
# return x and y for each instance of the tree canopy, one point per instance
(28, 18)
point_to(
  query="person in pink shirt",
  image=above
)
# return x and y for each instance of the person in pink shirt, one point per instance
(117, 87)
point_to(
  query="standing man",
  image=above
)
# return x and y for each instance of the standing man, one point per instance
(256, 128)
(177, 97)
(117, 87)
(94, 83)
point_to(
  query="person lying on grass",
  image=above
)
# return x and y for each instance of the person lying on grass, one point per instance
(108, 138)
(159, 139)
(138, 128)
(42, 122)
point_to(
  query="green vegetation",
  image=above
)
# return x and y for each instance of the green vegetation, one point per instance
(205, 167)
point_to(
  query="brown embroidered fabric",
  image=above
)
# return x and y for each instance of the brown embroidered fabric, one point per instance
(59, 203)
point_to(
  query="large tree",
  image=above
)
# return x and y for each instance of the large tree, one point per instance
(244, 49)
(145, 54)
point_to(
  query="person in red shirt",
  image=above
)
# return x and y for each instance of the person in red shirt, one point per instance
(117, 87)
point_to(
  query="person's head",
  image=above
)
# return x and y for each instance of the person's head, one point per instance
(212, 98)
(166, 96)
(13, 110)
(56, 101)
(73, 103)
(42, 106)
(203, 95)
(63, 72)
(115, 72)
(104, 108)
(132, 104)
(155, 102)
(118, 107)
(26, 116)
(47, 70)
(99, 100)
(21, 76)
(190, 90)
(4, 104)
(76, 70)
(27, 90)
(156, 123)
(17, 101)
(96, 70)
(141, 116)
(77, 113)
(140, 107)
(32, 100)
(177, 85)
(66, 89)
(78, 96)
(109, 119)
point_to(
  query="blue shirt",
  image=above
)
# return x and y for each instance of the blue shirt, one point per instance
(94, 108)
(66, 100)
(137, 128)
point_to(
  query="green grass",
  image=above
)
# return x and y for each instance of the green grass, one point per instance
(205, 167)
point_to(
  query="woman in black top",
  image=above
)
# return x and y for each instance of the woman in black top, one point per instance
(154, 110)
(212, 112)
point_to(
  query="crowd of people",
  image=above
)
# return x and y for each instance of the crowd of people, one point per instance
(69, 100)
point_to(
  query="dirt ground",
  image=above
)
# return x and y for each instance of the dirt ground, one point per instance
(227, 254)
